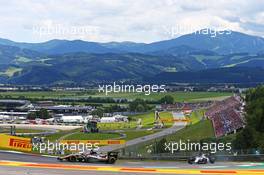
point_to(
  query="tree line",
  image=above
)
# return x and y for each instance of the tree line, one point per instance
(252, 136)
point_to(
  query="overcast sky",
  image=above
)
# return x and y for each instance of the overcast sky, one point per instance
(125, 20)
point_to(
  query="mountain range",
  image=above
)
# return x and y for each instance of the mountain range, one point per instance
(81, 62)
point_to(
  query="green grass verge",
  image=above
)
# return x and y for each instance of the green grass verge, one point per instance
(196, 116)
(92, 136)
(178, 96)
(11, 71)
(149, 118)
(7, 130)
(58, 135)
(195, 132)
(136, 134)
(147, 121)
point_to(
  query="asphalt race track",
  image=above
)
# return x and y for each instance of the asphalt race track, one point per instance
(28, 164)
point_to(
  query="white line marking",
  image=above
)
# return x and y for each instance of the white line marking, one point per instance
(214, 167)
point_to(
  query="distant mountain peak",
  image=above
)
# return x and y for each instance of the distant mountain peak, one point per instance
(221, 42)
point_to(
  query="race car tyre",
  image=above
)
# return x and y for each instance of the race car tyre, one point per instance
(190, 162)
(80, 159)
(72, 159)
(59, 159)
(111, 160)
(87, 160)
(212, 160)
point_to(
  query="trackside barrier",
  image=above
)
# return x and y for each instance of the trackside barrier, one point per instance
(16, 143)
(240, 158)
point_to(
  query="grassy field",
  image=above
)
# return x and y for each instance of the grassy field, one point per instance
(178, 96)
(29, 131)
(136, 134)
(11, 71)
(23, 59)
(60, 134)
(41, 94)
(146, 119)
(92, 136)
(196, 116)
(105, 136)
(149, 118)
(195, 132)
(7, 130)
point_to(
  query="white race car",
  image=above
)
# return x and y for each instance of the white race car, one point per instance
(201, 159)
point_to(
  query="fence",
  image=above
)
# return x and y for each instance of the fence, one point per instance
(151, 150)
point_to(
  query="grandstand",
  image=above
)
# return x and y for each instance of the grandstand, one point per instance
(226, 116)
(179, 106)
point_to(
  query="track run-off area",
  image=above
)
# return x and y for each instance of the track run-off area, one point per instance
(37, 164)
(100, 169)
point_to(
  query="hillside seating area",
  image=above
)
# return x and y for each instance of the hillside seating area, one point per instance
(226, 116)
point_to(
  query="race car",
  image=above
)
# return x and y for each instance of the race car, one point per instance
(201, 159)
(91, 156)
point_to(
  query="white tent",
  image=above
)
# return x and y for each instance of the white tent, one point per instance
(50, 120)
(87, 118)
(121, 118)
(107, 119)
(72, 119)
(2, 117)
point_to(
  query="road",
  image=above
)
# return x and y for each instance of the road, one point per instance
(13, 164)
(8, 170)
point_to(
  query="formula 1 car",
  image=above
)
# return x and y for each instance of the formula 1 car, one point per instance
(90, 157)
(201, 159)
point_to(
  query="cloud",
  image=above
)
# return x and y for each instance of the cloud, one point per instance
(126, 20)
